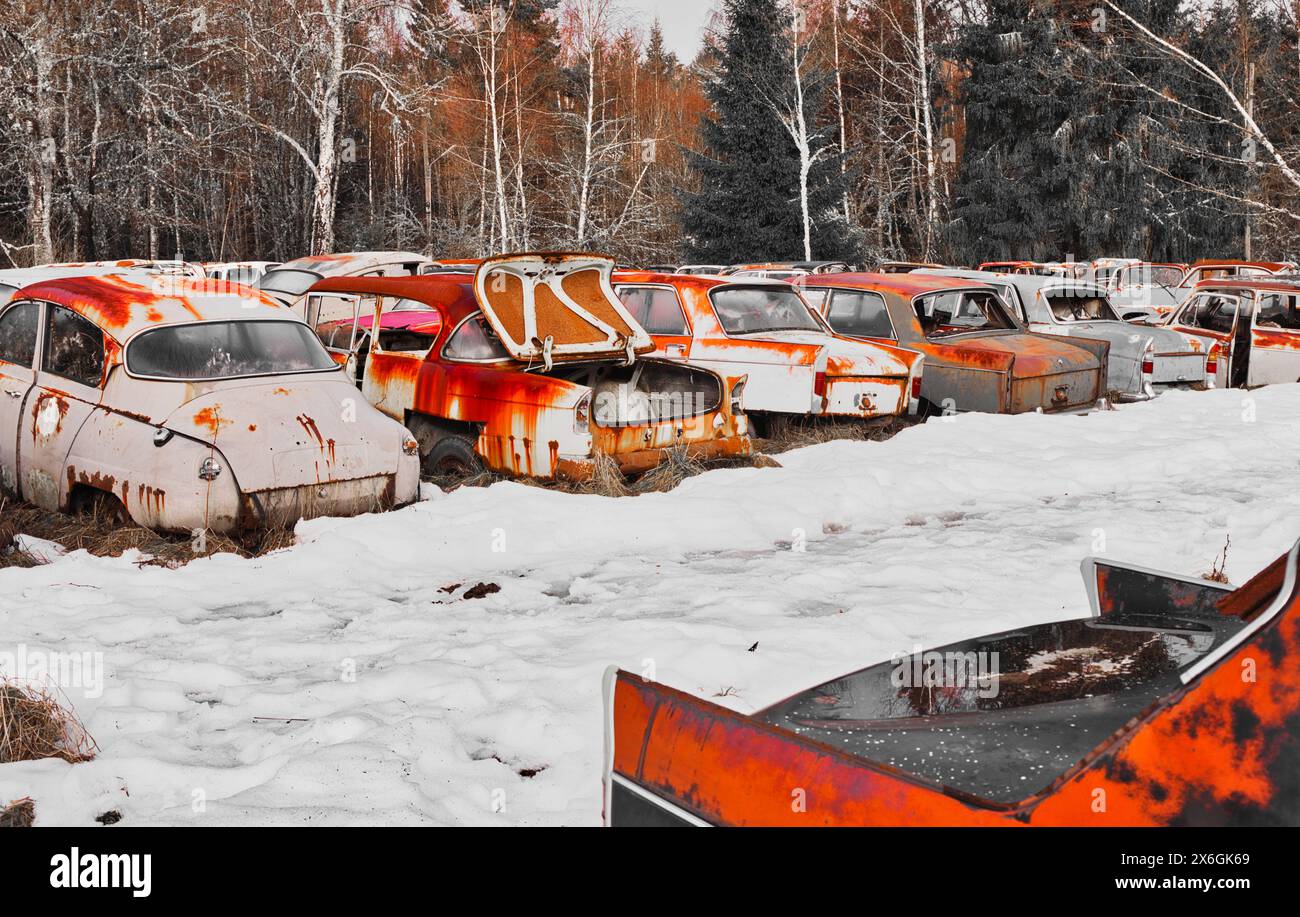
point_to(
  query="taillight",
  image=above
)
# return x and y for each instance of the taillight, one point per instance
(916, 386)
(582, 414)
(1212, 364)
(1148, 362)
(737, 393)
(819, 384)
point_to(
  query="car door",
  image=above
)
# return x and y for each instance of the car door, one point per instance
(20, 327)
(1212, 317)
(1275, 340)
(68, 387)
(659, 311)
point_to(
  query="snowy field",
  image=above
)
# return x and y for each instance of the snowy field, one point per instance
(345, 681)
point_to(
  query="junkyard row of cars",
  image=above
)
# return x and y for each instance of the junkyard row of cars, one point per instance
(241, 396)
(184, 401)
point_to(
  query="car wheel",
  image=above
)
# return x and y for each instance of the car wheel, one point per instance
(452, 456)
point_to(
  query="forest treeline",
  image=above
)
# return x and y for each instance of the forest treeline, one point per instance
(952, 130)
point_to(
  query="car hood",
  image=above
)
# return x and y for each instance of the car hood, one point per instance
(290, 431)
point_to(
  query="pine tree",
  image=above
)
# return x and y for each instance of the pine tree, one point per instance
(747, 208)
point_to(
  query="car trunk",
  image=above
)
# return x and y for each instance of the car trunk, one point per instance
(294, 444)
(549, 308)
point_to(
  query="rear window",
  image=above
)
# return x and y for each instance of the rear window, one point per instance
(756, 309)
(226, 350)
(289, 281)
(859, 313)
(961, 312)
(656, 309)
(1072, 306)
(1277, 310)
(474, 342)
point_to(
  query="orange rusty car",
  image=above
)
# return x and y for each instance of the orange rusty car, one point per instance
(1252, 324)
(1176, 702)
(796, 364)
(528, 365)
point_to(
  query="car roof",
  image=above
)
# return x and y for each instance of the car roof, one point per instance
(1274, 266)
(906, 285)
(453, 293)
(1289, 284)
(121, 306)
(350, 262)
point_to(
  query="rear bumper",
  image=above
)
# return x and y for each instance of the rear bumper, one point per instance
(283, 507)
(642, 460)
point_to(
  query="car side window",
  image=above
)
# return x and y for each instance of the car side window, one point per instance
(472, 341)
(1278, 310)
(74, 347)
(656, 309)
(18, 328)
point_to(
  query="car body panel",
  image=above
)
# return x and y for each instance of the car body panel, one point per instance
(287, 444)
(1176, 702)
(995, 371)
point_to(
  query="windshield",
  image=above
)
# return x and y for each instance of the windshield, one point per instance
(288, 280)
(858, 313)
(1079, 306)
(961, 312)
(750, 310)
(226, 350)
(1150, 275)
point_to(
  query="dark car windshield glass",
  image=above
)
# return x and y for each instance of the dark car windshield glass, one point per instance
(226, 350)
(960, 312)
(289, 280)
(859, 313)
(750, 310)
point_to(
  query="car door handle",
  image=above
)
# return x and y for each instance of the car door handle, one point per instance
(12, 394)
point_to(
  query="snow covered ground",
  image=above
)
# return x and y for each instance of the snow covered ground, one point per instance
(337, 682)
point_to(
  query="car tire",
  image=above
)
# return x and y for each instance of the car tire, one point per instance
(452, 456)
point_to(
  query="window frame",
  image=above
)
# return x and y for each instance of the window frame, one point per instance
(442, 351)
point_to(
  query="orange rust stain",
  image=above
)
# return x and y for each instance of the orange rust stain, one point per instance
(252, 427)
(309, 425)
(210, 417)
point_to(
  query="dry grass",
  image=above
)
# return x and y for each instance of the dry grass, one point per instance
(20, 813)
(786, 433)
(1216, 574)
(102, 537)
(35, 725)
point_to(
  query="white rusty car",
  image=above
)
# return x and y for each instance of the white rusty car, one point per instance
(183, 406)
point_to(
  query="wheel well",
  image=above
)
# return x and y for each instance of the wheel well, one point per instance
(428, 430)
(83, 497)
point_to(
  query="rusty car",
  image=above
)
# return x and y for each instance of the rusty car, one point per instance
(795, 362)
(1252, 324)
(527, 366)
(1143, 360)
(181, 407)
(978, 356)
(1175, 701)
(288, 282)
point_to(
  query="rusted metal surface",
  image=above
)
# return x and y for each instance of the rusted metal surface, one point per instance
(1210, 742)
(1255, 350)
(1000, 371)
(521, 420)
(143, 442)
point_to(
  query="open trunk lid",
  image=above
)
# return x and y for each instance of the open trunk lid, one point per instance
(552, 307)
